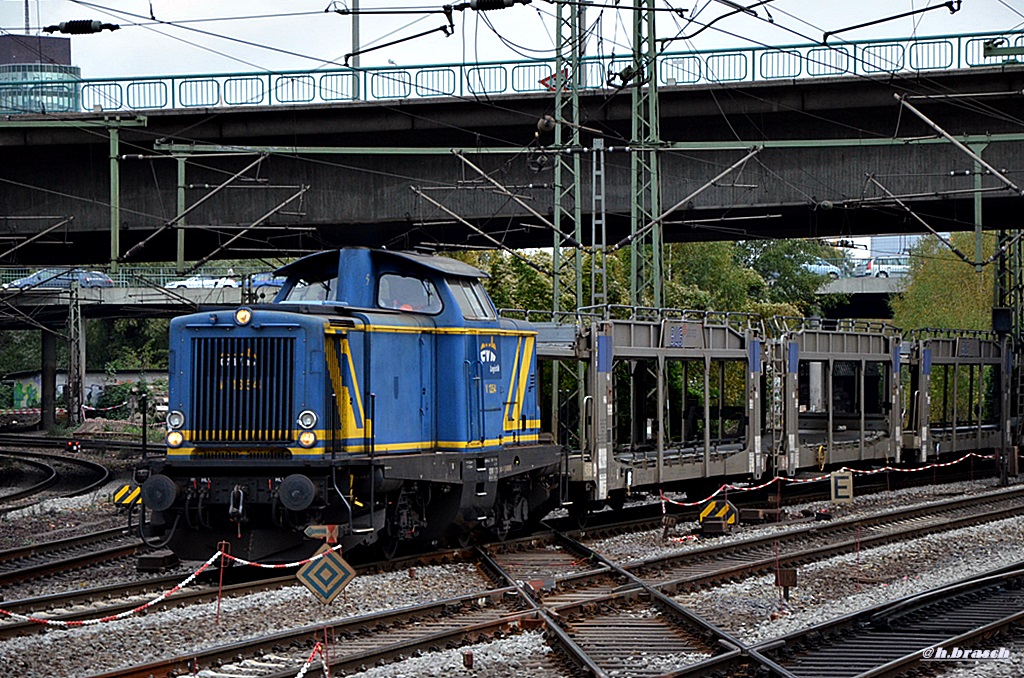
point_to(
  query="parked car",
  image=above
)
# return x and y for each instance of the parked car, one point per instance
(822, 267)
(61, 279)
(202, 282)
(883, 267)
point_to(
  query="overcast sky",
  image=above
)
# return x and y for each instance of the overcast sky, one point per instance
(313, 39)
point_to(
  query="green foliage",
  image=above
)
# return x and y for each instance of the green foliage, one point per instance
(944, 291)
(757, 276)
(126, 392)
(20, 350)
(61, 431)
(780, 264)
(713, 268)
(6, 395)
(767, 309)
(127, 344)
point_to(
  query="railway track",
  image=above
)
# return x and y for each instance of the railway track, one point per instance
(22, 440)
(38, 560)
(64, 477)
(586, 604)
(47, 475)
(633, 599)
(907, 635)
(816, 540)
(113, 599)
(357, 642)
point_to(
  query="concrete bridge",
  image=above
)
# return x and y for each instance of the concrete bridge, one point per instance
(865, 297)
(48, 308)
(840, 157)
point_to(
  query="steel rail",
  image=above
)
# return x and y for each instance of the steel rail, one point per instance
(340, 626)
(887, 614)
(49, 480)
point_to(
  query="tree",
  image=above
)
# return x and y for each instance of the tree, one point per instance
(781, 264)
(944, 291)
(127, 344)
(712, 269)
(20, 350)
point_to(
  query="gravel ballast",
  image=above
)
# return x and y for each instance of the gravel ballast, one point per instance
(143, 638)
(752, 609)
(826, 589)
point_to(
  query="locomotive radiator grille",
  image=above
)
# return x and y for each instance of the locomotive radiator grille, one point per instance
(242, 389)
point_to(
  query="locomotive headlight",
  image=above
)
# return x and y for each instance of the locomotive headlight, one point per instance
(307, 419)
(307, 439)
(175, 420)
(243, 316)
(175, 439)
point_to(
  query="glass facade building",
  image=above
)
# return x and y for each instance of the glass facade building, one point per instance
(36, 75)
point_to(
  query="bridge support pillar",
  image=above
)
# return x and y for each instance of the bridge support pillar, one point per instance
(48, 379)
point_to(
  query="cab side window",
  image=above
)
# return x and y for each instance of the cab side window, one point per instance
(404, 293)
(473, 300)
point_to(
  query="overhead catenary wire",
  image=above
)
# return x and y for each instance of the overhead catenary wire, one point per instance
(730, 87)
(661, 217)
(36, 236)
(544, 220)
(487, 236)
(960, 146)
(298, 194)
(145, 241)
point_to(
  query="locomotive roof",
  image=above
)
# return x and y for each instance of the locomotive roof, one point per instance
(444, 265)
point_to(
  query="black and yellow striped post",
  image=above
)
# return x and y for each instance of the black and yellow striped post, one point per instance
(717, 516)
(127, 495)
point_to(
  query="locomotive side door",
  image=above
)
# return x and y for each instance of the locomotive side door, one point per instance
(486, 371)
(428, 387)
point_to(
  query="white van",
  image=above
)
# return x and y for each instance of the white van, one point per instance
(883, 267)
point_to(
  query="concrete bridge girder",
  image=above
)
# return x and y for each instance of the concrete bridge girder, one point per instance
(823, 137)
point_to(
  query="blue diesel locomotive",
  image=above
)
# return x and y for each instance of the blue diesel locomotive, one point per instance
(379, 393)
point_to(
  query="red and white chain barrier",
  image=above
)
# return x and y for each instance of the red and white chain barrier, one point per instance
(104, 409)
(61, 410)
(780, 479)
(319, 649)
(163, 596)
(298, 563)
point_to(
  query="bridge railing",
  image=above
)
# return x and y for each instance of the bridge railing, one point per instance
(325, 86)
(142, 276)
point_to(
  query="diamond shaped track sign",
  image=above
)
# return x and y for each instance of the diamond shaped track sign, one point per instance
(326, 576)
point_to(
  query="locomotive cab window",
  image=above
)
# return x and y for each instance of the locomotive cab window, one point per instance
(473, 300)
(311, 288)
(403, 293)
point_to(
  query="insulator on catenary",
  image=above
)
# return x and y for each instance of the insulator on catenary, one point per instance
(80, 27)
(486, 5)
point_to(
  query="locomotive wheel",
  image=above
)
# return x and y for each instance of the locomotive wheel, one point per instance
(387, 539)
(501, 532)
(462, 539)
(387, 544)
(581, 515)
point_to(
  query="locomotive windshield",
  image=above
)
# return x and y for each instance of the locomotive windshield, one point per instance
(404, 293)
(312, 288)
